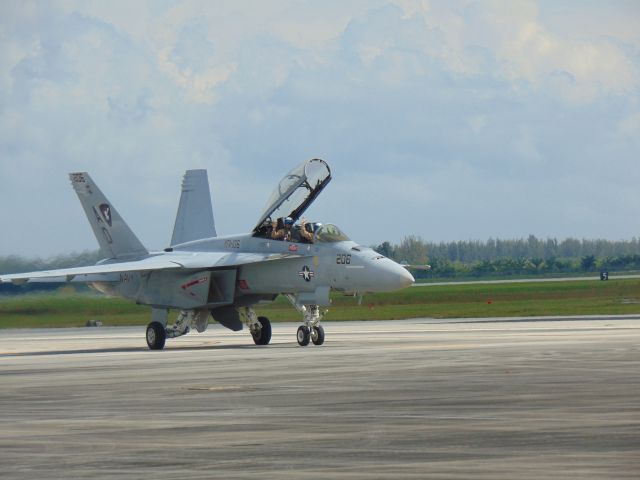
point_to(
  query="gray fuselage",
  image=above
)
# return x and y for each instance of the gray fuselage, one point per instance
(306, 270)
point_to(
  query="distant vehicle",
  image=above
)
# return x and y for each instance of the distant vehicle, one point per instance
(201, 274)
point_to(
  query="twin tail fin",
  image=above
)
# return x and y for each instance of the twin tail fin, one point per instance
(194, 220)
(114, 236)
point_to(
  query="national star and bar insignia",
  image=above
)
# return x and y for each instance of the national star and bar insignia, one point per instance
(306, 273)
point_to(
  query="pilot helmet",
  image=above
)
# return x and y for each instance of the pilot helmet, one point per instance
(317, 226)
(288, 221)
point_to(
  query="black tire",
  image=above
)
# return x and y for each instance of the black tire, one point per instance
(303, 335)
(262, 336)
(317, 337)
(156, 336)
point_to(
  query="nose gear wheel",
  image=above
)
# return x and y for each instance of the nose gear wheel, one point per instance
(317, 335)
(303, 335)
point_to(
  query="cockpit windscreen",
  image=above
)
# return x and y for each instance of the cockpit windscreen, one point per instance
(329, 233)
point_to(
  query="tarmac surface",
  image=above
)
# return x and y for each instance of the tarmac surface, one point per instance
(488, 399)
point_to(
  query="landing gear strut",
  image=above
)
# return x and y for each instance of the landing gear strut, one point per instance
(260, 327)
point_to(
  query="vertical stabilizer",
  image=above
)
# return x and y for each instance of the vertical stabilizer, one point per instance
(194, 220)
(114, 236)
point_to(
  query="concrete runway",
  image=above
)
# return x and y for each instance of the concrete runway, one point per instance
(403, 399)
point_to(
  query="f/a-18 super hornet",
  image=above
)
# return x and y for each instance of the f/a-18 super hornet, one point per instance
(201, 274)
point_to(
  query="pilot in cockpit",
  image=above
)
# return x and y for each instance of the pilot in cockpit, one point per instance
(284, 229)
(306, 230)
(282, 232)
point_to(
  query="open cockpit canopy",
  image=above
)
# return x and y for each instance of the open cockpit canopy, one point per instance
(296, 191)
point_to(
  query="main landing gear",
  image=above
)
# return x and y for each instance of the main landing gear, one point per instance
(156, 336)
(260, 327)
(158, 331)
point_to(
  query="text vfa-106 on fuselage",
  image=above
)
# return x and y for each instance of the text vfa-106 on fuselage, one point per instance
(204, 275)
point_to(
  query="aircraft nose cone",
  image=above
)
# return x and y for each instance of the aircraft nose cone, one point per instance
(404, 278)
(396, 277)
(407, 278)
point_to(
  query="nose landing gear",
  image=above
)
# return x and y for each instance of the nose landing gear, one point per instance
(315, 334)
(311, 330)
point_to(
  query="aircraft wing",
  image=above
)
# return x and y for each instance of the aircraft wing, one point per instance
(167, 261)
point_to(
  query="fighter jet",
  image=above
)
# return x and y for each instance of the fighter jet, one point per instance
(203, 275)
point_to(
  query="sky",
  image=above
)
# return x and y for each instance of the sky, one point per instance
(448, 120)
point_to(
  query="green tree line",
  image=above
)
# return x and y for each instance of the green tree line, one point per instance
(18, 264)
(467, 258)
(530, 256)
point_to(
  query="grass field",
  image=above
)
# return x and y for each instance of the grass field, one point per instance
(444, 301)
